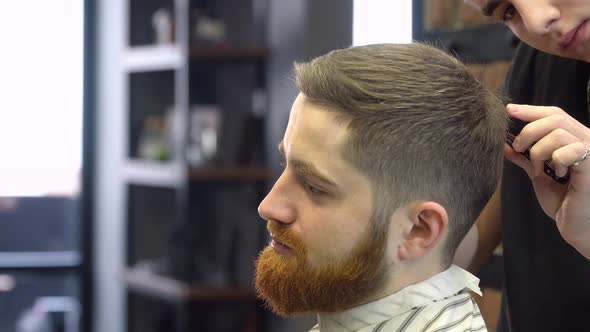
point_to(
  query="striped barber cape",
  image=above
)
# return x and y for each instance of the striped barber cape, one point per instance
(439, 304)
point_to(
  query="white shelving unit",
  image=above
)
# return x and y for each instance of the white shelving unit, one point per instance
(43, 259)
(117, 169)
(153, 58)
(170, 174)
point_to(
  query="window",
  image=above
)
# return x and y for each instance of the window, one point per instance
(382, 21)
(41, 141)
(41, 104)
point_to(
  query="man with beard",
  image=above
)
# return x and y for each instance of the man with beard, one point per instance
(391, 152)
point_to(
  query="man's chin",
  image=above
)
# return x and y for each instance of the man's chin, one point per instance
(291, 287)
(277, 280)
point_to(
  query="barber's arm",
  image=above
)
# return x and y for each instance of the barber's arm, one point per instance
(483, 238)
(555, 137)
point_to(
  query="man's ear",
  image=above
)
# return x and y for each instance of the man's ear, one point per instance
(428, 225)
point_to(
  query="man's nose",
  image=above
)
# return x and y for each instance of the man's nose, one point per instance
(277, 205)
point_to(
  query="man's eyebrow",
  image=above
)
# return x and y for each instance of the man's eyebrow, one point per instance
(307, 169)
(490, 6)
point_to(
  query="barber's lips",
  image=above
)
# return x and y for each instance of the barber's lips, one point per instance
(574, 38)
(281, 248)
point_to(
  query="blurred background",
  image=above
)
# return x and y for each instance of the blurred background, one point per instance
(139, 136)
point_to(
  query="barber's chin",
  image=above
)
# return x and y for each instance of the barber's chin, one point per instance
(582, 56)
(581, 52)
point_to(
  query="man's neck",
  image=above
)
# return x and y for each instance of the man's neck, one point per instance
(447, 284)
(405, 274)
(402, 276)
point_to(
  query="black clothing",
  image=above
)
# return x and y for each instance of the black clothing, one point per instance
(547, 282)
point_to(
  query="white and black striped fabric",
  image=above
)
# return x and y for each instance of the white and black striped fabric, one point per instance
(439, 304)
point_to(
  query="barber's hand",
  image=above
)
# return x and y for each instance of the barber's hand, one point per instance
(555, 137)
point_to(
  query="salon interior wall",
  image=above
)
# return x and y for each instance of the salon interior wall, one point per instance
(298, 30)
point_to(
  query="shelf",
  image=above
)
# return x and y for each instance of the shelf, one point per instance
(146, 283)
(152, 58)
(228, 54)
(169, 174)
(42, 259)
(170, 57)
(231, 174)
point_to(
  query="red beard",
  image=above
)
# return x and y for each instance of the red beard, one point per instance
(291, 286)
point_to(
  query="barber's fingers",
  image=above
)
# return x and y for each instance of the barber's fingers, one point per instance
(544, 119)
(518, 159)
(538, 130)
(530, 113)
(533, 168)
(559, 155)
(558, 148)
(566, 156)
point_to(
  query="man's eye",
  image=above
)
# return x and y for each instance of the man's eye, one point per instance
(313, 190)
(508, 13)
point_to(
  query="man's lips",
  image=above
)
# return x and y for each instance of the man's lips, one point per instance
(280, 247)
(569, 38)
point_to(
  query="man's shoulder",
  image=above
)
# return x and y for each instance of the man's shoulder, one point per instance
(455, 313)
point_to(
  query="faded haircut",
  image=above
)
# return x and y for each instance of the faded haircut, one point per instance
(421, 127)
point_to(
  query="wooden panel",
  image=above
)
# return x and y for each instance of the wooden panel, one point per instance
(445, 14)
(492, 74)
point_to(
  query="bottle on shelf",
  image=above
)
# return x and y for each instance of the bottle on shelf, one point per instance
(152, 143)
